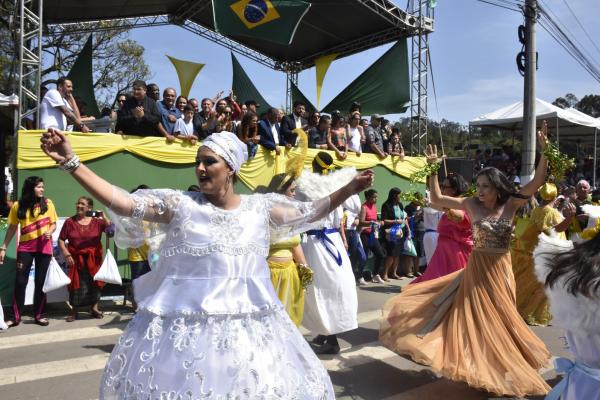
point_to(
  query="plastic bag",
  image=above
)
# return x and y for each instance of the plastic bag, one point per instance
(109, 272)
(3, 325)
(409, 248)
(55, 277)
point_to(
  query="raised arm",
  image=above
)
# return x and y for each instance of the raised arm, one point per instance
(57, 147)
(435, 193)
(539, 177)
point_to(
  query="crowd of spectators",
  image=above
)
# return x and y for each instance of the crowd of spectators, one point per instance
(142, 112)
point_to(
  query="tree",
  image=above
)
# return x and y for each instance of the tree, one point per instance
(590, 105)
(118, 60)
(569, 101)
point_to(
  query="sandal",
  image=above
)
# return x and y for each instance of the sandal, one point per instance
(71, 318)
(12, 324)
(42, 322)
(96, 314)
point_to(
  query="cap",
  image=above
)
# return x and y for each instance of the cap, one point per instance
(376, 116)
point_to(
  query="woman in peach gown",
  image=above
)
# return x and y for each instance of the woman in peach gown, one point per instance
(465, 325)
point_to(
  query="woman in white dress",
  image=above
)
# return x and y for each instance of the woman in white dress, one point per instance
(330, 305)
(209, 323)
(571, 275)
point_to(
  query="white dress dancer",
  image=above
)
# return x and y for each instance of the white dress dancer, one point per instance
(578, 315)
(331, 304)
(209, 323)
(431, 219)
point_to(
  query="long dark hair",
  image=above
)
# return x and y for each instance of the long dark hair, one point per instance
(506, 189)
(458, 183)
(391, 195)
(245, 130)
(580, 267)
(28, 200)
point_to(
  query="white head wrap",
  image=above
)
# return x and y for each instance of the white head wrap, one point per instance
(228, 146)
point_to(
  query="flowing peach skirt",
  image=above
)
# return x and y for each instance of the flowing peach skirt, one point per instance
(466, 327)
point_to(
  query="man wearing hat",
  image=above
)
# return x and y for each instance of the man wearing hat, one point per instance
(140, 115)
(374, 143)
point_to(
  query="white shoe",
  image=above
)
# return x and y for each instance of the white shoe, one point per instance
(377, 279)
(362, 282)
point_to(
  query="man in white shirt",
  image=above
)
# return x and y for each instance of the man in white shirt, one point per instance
(58, 108)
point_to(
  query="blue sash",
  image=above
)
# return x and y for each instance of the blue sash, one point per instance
(567, 367)
(321, 234)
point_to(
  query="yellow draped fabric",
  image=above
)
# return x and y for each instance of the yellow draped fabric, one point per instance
(321, 66)
(186, 71)
(256, 172)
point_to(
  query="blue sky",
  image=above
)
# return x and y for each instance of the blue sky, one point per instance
(473, 52)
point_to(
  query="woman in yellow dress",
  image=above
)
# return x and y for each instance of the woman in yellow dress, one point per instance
(465, 325)
(531, 298)
(286, 260)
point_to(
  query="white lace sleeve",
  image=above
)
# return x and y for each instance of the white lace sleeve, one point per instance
(289, 217)
(151, 212)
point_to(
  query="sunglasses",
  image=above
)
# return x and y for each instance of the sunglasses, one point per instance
(227, 112)
(120, 101)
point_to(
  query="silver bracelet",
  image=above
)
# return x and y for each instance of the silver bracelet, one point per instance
(71, 164)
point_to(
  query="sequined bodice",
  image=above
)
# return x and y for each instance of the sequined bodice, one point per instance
(490, 233)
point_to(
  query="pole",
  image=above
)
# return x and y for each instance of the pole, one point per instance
(557, 134)
(529, 120)
(595, 152)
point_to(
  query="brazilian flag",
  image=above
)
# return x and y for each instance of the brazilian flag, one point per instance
(274, 20)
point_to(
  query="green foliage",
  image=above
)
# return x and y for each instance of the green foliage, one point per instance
(118, 60)
(558, 162)
(589, 104)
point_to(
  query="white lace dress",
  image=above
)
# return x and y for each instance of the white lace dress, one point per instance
(209, 324)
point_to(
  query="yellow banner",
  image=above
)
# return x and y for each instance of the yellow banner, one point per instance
(321, 66)
(187, 72)
(258, 171)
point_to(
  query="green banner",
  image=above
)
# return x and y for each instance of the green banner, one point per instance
(384, 88)
(83, 80)
(243, 88)
(297, 95)
(274, 20)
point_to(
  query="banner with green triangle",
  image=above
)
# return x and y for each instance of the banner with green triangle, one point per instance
(83, 80)
(243, 88)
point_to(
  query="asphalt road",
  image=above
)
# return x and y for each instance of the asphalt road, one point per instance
(64, 361)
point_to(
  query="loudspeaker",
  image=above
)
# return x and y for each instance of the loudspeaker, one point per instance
(460, 166)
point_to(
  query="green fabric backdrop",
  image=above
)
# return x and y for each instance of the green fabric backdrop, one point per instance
(243, 88)
(83, 79)
(384, 88)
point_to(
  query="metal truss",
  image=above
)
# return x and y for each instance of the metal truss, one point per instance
(399, 17)
(30, 57)
(165, 19)
(416, 25)
(291, 76)
(419, 79)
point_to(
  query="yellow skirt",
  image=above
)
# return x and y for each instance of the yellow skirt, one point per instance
(466, 327)
(286, 282)
(531, 298)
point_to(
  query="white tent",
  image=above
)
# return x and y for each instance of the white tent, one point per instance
(12, 100)
(564, 124)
